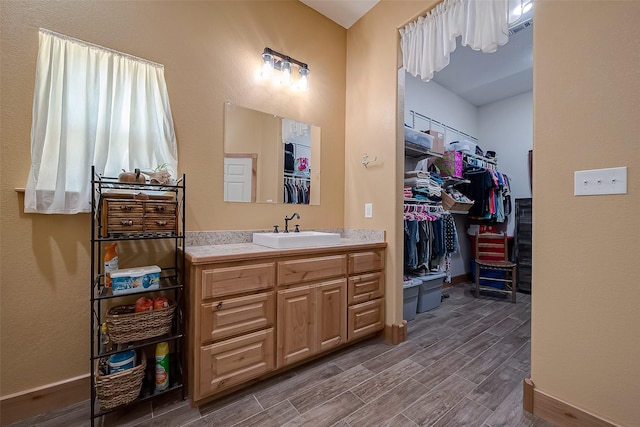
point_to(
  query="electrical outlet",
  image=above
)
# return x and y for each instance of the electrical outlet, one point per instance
(368, 210)
(600, 181)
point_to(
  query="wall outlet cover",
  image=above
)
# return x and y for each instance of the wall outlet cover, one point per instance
(368, 210)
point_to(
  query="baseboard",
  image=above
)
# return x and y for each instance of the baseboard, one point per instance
(456, 280)
(395, 334)
(556, 411)
(40, 400)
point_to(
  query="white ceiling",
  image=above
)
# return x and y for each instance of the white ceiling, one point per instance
(344, 12)
(479, 78)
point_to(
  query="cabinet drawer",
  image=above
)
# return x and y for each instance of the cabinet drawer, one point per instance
(237, 279)
(362, 262)
(311, 269)
(226, 318)
(365, 287)
(160, 208)
(124, 224)
(160, 224)
(234, 361)
(365, 318)
(123, 207)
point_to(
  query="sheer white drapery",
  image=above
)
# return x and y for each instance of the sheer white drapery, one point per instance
(93, 106)
(427, 42)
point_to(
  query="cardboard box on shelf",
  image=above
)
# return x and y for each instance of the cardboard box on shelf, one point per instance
(438, 141)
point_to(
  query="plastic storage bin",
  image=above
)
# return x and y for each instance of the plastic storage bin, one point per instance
(430, 292)
(131, 280)
(410, 291)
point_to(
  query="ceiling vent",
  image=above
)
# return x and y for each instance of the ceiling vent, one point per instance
(521, 26)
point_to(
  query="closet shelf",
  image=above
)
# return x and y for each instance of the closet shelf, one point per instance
(418, 151)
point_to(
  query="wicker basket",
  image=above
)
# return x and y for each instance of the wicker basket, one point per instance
(120, 388)
(128, 327)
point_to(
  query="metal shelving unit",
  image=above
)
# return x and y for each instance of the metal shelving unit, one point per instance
(172, 282)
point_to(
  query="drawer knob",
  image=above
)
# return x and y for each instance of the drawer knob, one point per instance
(161, 222)
(126, 207)
(160, 208)
(126, 222)
(219, 306)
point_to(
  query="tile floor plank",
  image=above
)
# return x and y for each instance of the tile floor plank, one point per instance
(386, 380)
(330, 412)
(465, 413)
(492, 391)
(275, 416)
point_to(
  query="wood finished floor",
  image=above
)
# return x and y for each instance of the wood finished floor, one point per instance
(462, 365)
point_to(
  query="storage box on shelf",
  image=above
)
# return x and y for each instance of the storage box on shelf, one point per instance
(143, 213)
(451, 204)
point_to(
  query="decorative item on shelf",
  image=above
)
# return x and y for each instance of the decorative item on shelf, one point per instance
(120, 388)
(132, 177)
(125, 325)
(160, 175)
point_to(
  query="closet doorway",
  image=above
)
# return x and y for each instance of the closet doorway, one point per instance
(487, 96)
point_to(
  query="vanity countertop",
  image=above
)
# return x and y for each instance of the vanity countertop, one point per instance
(240, 251)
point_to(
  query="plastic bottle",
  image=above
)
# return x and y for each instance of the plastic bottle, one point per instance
(110, 263)
(104, 338)
(162, 366)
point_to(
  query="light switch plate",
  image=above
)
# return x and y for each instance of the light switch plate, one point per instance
(600, 181)
(368, 210)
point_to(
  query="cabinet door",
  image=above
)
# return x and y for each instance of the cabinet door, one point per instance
(233, 316)
(366, 287)
(296, 338)
(331, 312)
(234, 361)
(366, 318)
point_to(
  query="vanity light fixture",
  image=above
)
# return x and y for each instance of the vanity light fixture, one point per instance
(272, 60)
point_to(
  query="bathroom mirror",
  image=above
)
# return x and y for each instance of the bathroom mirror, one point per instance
(270, 159)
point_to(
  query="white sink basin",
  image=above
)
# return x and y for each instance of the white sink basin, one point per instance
(302, 239)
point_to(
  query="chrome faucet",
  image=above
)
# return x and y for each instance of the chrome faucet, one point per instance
(287, 219)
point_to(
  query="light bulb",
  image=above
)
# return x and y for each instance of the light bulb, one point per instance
(267, 65)
(303, 83)
(286, 72)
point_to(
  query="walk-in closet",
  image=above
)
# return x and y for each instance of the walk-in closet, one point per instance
(468, 139)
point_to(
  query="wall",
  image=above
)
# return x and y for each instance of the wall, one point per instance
(585, 344)
(506, 127)
(211, 52)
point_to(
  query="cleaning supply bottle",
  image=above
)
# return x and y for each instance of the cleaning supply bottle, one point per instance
(104, 338)
(110, 263)
(162, 366)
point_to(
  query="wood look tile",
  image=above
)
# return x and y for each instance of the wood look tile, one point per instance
(431, 354)
(432, 335)
(505, 326)
(131, 416)
(348, 359)
(465, 413)
(430, 407)
(387, 406)
(320, 393)
(330, 412)
(510, 413)
(482, 366)
(391, 357)
(515, 339)
(386, 380)
(441, 370)
(478, 345)
(230, 414)
(522, 358)
(492, 391)
(275, 416)
(77, 414)
(179, 416)
(281, 391)
(400, 421)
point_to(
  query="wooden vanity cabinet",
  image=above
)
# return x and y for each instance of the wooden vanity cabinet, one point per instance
(365, 293)
(251, 318)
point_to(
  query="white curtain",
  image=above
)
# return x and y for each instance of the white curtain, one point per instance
(93, 106)
(427, 42)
